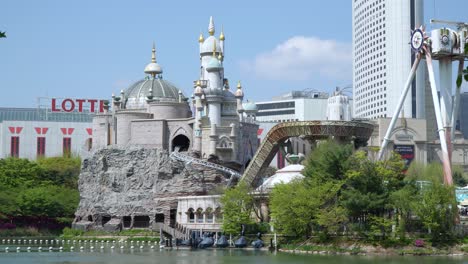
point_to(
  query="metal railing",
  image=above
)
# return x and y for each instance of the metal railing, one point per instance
(188, 160)
(173, 232)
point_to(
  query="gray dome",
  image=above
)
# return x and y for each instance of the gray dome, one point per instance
(163, 91)
(228, 95)
(250, 106)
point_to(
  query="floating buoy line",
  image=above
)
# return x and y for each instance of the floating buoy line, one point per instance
(61, 245)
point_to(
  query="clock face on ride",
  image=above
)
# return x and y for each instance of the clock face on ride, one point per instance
(417, 39)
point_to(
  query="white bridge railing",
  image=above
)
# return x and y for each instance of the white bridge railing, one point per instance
(176, 155)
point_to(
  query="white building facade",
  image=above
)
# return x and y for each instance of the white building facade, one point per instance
(304, 105)
(294, 106)
(382, 58)
(34, 133)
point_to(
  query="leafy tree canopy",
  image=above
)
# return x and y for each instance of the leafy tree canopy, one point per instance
(237, 204)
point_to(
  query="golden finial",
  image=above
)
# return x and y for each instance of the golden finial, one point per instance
(220, 57)
(198, 83)
(221, 36)
(201, 38)
(239, 85)
(153, 54)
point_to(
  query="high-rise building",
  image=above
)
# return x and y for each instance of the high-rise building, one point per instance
(382, 58)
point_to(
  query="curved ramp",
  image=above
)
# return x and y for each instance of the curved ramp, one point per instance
(357, 131)
(188, 159)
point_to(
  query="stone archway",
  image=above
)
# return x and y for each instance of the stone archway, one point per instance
(180, 142)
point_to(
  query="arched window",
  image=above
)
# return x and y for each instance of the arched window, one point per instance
(209, 215)
(224, 142)
(199, 215)
(191, 215)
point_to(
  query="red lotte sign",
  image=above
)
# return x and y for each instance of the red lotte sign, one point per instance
(79, 105)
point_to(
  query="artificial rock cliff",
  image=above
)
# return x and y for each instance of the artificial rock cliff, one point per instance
(123, 183)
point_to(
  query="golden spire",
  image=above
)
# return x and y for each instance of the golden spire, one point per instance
(153, 54)
(221, 36)
(239, 85)
(201, 38)
(198, 83)
(220, 57)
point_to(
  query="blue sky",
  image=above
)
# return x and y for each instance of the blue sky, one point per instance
(89, 49)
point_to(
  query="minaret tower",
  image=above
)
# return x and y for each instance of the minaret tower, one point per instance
(239, 96)
(212, 72)
(197, 144)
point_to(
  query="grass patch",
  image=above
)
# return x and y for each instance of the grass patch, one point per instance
(150, 239)
(331, 248)
(134, 234)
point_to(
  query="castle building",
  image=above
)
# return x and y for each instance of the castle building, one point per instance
(154, 113)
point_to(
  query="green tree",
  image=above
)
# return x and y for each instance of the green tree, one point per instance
(63, 171)
(48, 201)
(403, 200)
(379, 227)
(293, 208)
(237, 208)
(19, 172)
(2, 34)
(299, 207)
(39, 202)
(8, 206)
(368, 185)
(328, 161)
(459, 177)
(331, 218)
(437, 210)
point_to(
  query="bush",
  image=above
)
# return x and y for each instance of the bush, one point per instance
(419, 243)
(70, 232)
(22, 232)
(255, 228)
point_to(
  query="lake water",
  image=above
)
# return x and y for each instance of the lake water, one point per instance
(147, 255)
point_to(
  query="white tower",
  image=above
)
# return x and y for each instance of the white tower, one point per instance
(338, 107)
(382, 58)
(212, 72)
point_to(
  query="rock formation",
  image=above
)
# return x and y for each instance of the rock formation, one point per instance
(130, 187)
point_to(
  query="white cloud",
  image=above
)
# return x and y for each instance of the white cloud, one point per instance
(303, 58)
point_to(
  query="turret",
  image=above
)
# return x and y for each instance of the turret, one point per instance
(221, 40)
(201, 39)
(239, 96)
(197, 145)
(250, 110)
(338, 107)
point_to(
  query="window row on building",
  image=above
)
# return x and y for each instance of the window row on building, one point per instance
(41, 146)
(208, 215)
